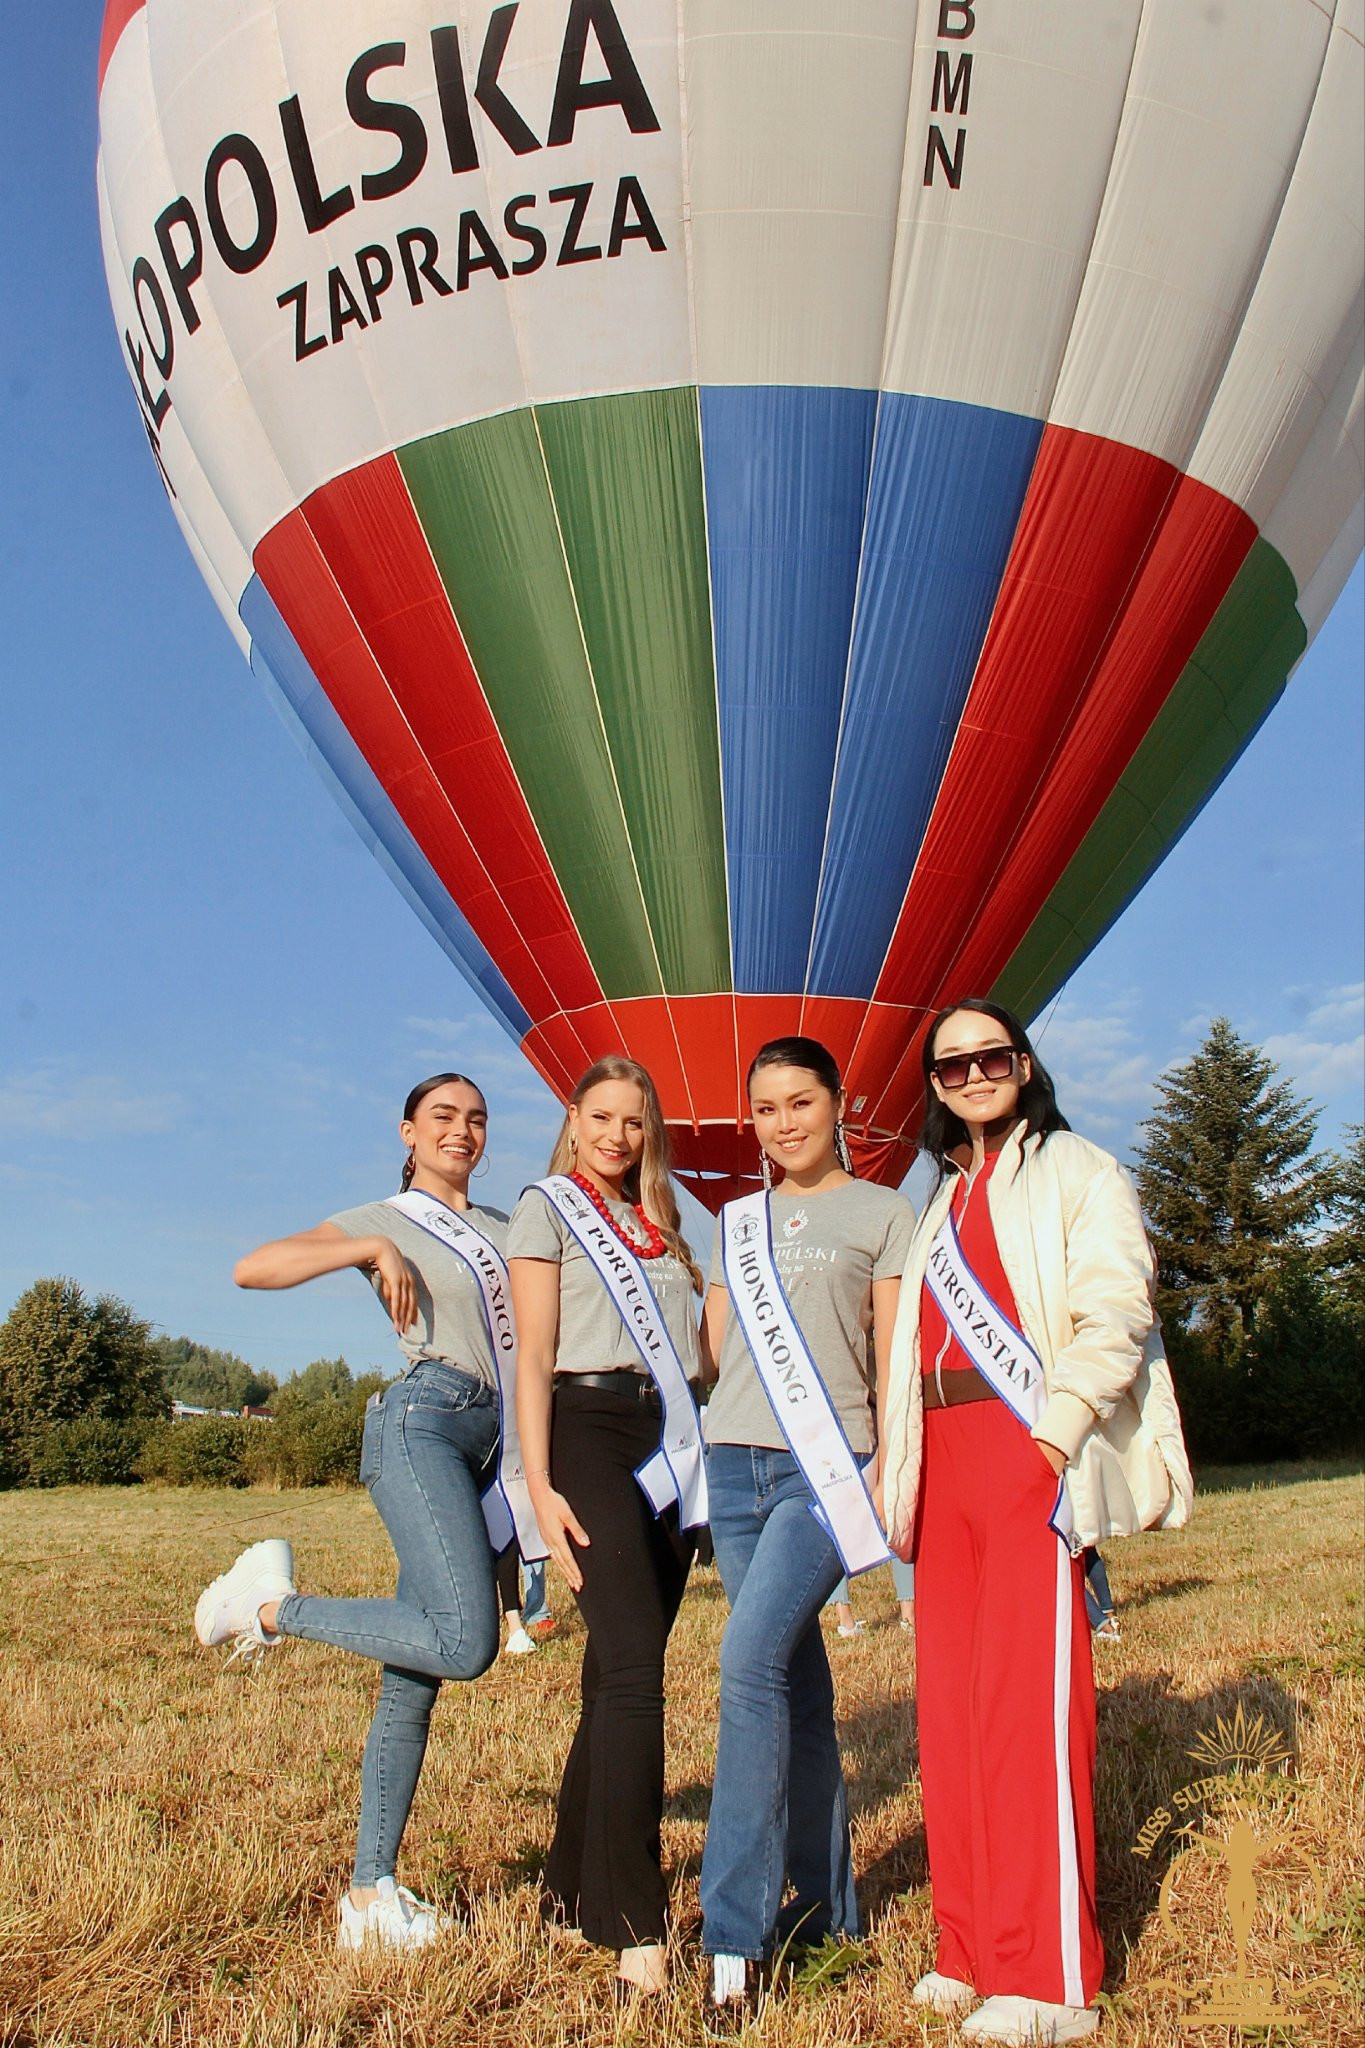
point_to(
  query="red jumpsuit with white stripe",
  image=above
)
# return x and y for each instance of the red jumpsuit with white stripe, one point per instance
(1005, 1684)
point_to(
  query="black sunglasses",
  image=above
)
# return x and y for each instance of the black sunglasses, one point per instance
(995, 1063)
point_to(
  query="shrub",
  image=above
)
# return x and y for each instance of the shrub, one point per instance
(90, 1450)
(315, 1443)
(204, 1450)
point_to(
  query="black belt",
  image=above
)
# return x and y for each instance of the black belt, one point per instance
(634, 1386)
(953, 1389)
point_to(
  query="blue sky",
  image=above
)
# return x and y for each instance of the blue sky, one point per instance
(212, 1002)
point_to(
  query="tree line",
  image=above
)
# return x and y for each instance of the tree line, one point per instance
(1260, 1244)
(86, 1393)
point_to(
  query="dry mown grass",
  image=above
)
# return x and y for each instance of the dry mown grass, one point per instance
(174, 1840)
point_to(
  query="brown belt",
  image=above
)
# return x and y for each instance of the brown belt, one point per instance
(962, 1384)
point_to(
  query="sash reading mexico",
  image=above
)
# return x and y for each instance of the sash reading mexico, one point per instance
(791, 1379)
(506, 1502)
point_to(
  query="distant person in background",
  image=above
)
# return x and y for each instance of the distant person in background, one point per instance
(429, 1451)
(521, 1616)
(1099, 1598)
(1028, 1411)
(597, 1241)
(841, 1600)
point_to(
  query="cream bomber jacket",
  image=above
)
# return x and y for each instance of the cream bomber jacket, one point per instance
(1071, 1239)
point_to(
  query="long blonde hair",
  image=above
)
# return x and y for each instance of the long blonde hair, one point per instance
(649, 1183)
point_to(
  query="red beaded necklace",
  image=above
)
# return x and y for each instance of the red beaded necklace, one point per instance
(654, 1246)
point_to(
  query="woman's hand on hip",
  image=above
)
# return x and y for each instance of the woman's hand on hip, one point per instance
(558, 1523)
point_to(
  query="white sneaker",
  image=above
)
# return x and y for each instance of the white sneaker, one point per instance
(396, 1919)
(943, 1994)
(229, 1606)
(1026, 2022)
(518, 1644)
(853, 1628)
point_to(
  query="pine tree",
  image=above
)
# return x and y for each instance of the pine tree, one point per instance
(1342, 1250)
(64, 1357)
(1229, 1182)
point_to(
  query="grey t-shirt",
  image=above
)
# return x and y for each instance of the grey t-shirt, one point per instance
(450, 1325)
(592, 1337)
(829, 1248)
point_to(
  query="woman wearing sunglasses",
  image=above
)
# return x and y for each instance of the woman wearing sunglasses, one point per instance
(1029, 1412)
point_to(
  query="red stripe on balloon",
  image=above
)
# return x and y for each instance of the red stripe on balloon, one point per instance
(117, 16)
(704, 1104)
(369, 535)
(297, 575)
(1054, 772)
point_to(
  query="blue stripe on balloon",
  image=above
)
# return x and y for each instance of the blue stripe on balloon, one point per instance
(948, 481)
(303, 704)
(786, 487)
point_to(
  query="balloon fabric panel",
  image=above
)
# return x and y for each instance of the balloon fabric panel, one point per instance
(761, 525)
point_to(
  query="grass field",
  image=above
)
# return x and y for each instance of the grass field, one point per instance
(174, 1839)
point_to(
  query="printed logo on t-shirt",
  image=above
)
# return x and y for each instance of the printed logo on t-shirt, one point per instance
(795, 1223)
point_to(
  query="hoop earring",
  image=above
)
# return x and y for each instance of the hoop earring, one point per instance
(481, 1169)
(766, 1169)
(841, 1151)
(409, 1168)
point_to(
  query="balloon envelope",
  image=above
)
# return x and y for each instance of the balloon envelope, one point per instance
(769, 517)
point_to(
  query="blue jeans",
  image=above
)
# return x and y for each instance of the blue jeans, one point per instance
(429, 1445)
(535, 1605)
(779, 1811)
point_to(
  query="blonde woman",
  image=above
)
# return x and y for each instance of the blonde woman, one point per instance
(602, 1282)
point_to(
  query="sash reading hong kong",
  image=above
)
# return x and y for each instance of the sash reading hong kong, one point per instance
(997, 1348)
(506, 1501)
(677, 1470)
(791, 1379)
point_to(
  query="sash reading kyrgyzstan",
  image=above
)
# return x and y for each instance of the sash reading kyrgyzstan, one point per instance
(791, 1379)
(995, 1345)
(506, 1501)
(676, 1471)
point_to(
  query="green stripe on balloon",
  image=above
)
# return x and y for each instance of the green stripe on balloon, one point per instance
(1231, 681)
(484, 501)
(571, 544)
(627, 481)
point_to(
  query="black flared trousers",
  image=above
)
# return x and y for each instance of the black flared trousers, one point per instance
(603, 1874)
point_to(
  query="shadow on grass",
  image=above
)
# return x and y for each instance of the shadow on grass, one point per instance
(1296, 1472)
(1164, 1589)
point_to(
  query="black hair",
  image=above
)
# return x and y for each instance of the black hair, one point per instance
(817, 1059)
(416, 1097)
(812, 1058)
(942, 1132)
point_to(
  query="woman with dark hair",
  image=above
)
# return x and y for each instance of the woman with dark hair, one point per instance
(604, 1286)
(428, 1457)
(1029, 1411)
(804, 1279)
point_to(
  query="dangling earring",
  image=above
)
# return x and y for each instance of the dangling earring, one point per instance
(841, 1151)
(766, 1169)
(573, 1141)
(409, 1168)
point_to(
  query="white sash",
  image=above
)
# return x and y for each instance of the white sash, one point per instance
(791, 1379)
(676, 1471)
(995, 1345)
(506, 1501)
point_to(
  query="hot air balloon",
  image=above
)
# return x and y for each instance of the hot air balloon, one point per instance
(768, 515)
